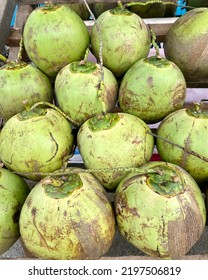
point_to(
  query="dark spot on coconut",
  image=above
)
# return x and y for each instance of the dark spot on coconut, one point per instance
(29, 202)
(188, 229)
(2, 187)
(24, 75)
(125, 234)
(76, 195)
(133, 211)
(34, 211)
(65, 213)
(136, 141)
(179, 96)
(58, 232)
(187, 146)
(150, 81)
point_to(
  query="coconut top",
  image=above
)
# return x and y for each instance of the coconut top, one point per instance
(29, 114)
(12, 65)
(159, 62)
(120, 11)
(85, 67)
(198, 110)
(167, 183)
(103, 121)
(62, 187)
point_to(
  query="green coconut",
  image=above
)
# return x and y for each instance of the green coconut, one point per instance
(67, 217)
(54, 36)
(187, 128)
(125, 39)
(33, 141)
(153, 10)
(162, 211)
(186, 44)
(197, 3)
(13, 192)
(80, 94)
(112, 141)
(152, 88)
(21, 82)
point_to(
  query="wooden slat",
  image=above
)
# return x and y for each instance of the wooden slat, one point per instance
(159, 25)
(35, 2)
(6, 12)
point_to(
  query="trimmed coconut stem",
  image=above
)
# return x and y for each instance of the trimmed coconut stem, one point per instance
(57, 109)
(19, 56)
(26, 105)
(155, 45)
(86, 54)
(3, 58)
(120, 5)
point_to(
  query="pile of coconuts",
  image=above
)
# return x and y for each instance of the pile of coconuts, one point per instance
(62, 99)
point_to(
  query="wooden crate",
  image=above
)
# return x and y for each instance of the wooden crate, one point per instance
(11, 37)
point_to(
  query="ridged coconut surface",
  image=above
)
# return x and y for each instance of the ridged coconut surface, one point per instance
(187, 128)
(38, 140)
(54, 36)
(186, 44)
(79, 94)
(152, 88)
(161, 212)
(114, 140)
(21, 82)
(13, 192)
(67, 217)
(125, 39)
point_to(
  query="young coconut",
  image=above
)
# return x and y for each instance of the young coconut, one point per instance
(152, 88)
(54, 36)
(80, 93)
(125, 39)
(162, 212)
(111, 141)
(74, 220)
(197, 3)
(145, 10)
(36, 141)
(20, 81)
(187, 128)
(186, 44)
(13, 192)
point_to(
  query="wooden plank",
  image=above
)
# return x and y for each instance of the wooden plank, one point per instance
(21, 17)
(35, 2)
(199, 84)
(14, 37)
(6, 13)
(159, 25)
